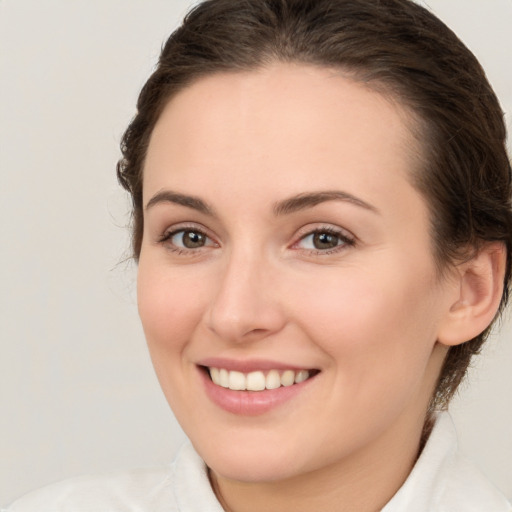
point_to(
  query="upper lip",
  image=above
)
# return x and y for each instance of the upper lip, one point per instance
(249, 365)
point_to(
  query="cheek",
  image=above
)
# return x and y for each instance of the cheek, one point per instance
(169, 306)
(376, 326)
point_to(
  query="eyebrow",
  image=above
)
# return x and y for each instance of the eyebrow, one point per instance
(310, 199)
(168, 196)
(287, 206)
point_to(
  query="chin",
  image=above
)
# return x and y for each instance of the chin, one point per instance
(259, 468)
(251, 461)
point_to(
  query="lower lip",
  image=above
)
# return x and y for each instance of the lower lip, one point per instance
(251, 403)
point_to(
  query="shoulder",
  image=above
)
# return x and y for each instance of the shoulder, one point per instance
(461, 485)
(467, 489)
(142, 490)
(444, 481)
(183, 485)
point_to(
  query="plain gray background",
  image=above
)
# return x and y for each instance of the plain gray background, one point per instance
(77, 390)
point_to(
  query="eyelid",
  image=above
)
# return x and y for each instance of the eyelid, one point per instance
(327, 227)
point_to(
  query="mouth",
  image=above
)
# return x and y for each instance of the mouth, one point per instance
(255, 387)
(257, 380)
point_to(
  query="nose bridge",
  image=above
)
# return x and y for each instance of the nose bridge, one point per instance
(244, 305)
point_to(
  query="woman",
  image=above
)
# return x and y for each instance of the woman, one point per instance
(322, 224)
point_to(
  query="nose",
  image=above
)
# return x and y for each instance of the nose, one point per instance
(245, 306)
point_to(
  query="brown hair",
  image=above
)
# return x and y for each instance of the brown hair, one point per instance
(394, 46)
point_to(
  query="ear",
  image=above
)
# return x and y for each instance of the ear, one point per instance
(479, 283)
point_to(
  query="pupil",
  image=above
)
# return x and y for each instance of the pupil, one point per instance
(325, 241)
(192, 239)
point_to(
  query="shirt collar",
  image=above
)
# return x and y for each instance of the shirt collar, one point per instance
(425, 484)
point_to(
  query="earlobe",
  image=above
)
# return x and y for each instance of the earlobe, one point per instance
(480, 288)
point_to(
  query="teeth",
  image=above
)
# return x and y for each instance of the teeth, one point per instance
(237, 381)
(301, 376)
(273, 380)
(224, 378)
(288, 378)
(214, 374)
(256, 381)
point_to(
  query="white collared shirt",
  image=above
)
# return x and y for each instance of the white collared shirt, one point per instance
(441, 481)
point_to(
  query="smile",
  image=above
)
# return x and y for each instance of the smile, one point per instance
(251, 388)
(256, 380)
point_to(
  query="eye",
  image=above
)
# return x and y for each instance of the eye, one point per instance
(324, 240)
(187, 239)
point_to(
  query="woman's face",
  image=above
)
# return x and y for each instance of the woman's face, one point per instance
(283, 240)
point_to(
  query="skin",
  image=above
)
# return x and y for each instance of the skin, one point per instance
(368, 313)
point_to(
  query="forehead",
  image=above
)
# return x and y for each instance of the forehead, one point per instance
(287, 127)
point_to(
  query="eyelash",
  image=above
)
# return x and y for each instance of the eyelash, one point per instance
(345, 240)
